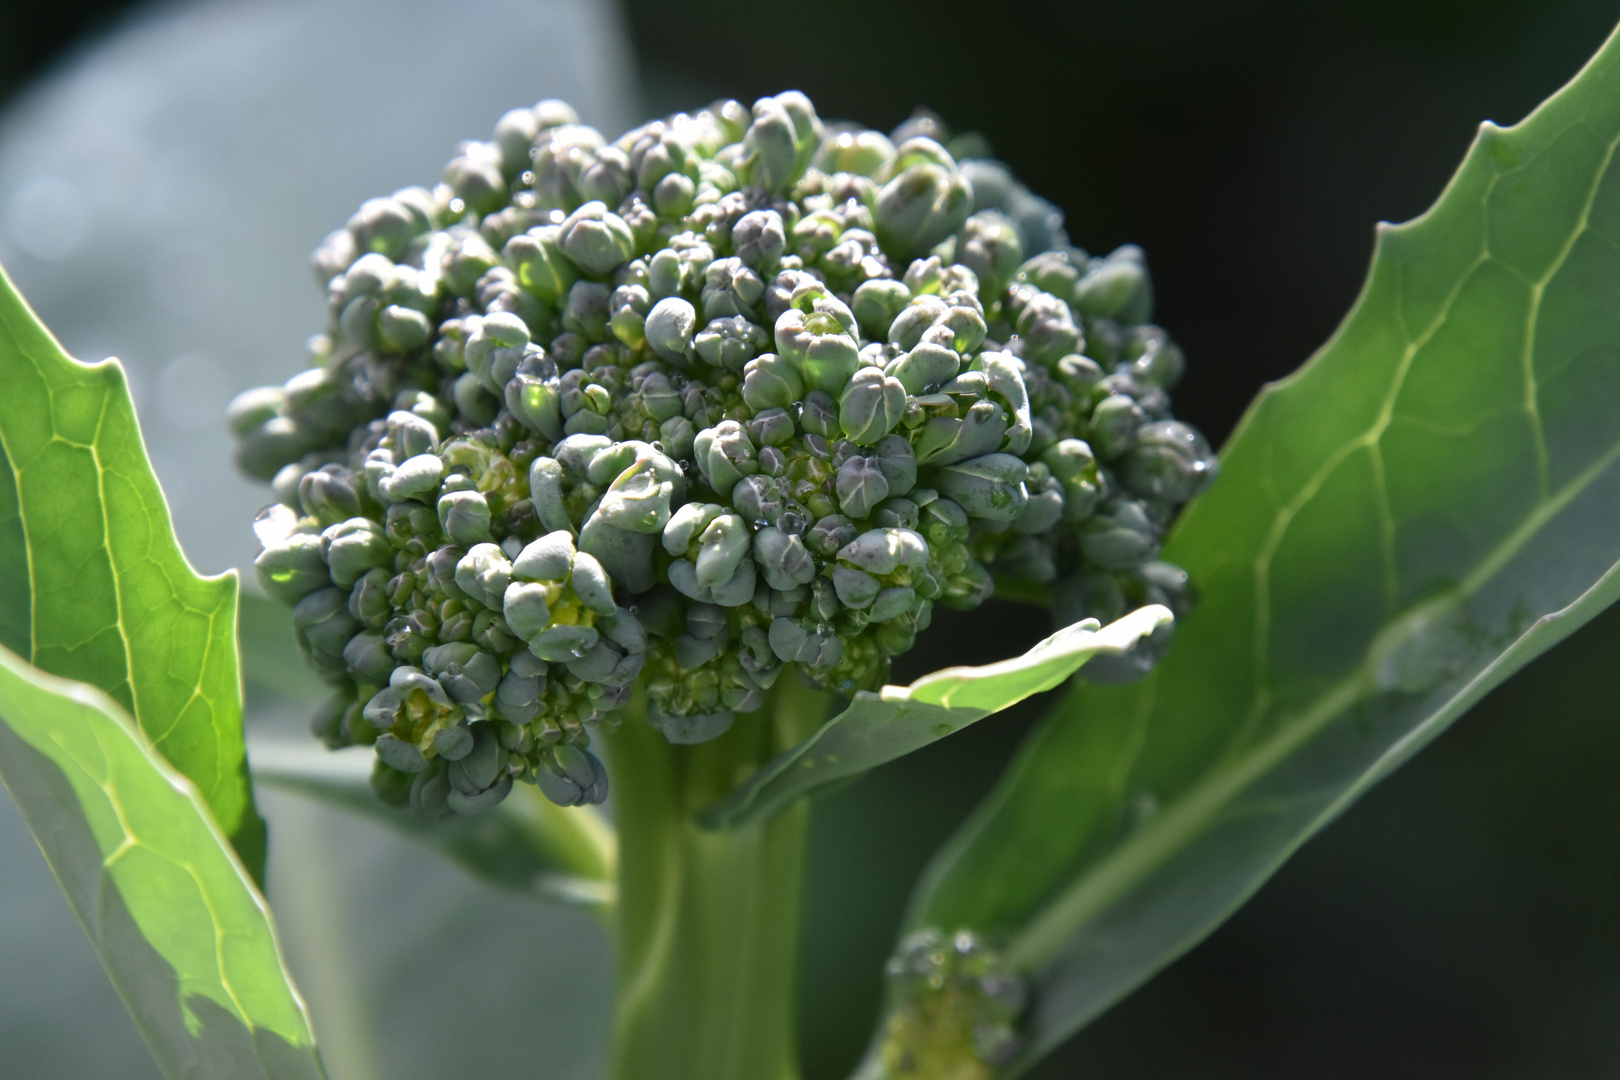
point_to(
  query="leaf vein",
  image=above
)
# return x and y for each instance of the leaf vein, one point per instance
(1532, 404)
(1308, 491)
(1165, 834)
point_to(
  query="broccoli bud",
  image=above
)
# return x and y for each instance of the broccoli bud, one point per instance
(958, 1006)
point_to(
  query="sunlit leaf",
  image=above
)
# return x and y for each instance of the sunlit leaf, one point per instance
(1426, 506)
(93, 585)
(879, 727)
(173, 914)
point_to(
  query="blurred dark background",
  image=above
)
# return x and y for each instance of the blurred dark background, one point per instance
(32, 36)
(1464, 919)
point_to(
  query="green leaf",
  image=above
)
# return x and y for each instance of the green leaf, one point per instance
(94, 583)
(1426, 506)
(877, 728)
(527, 844)
(170, 909)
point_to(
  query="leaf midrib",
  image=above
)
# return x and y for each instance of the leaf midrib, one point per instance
(94, 449)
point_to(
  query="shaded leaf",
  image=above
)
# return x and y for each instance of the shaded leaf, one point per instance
(95, 586)
(877, 728)
(527, 844)
(1426, 506)
(173, 914)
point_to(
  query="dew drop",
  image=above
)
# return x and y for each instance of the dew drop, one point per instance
(274, 524)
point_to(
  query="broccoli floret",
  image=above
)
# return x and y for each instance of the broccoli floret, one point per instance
(726, 395)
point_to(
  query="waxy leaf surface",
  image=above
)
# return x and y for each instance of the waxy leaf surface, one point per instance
(879, 727)
(171, 910)
(1427, 505)
(93, 585)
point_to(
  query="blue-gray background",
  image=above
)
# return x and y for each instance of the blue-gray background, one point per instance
(165, 169)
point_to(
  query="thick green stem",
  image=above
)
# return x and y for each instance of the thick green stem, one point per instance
(708, 920)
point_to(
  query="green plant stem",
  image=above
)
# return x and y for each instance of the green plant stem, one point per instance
(708, 920)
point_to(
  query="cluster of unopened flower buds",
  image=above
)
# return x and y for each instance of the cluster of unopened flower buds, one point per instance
(736, 392)
(954, 1009)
